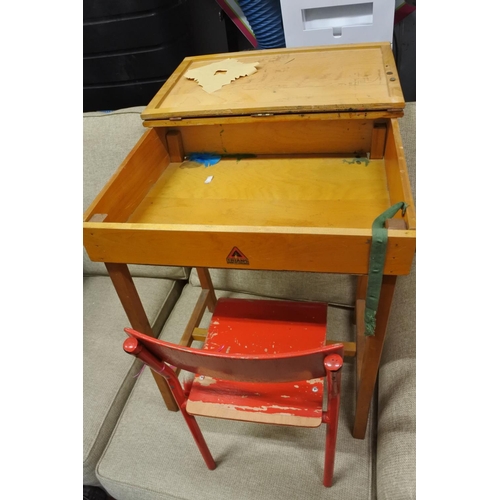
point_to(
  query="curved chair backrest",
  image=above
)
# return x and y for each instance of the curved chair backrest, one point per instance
(285, 367)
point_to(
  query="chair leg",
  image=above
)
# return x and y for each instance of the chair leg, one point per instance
(191, 422)
(331, 441)
(135, 348)
(199, 439)
(333, 364)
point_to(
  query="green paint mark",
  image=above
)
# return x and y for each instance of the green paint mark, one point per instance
(239, 156)
(358, 161)
(221, 141)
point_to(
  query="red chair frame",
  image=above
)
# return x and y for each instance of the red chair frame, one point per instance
(324, 361)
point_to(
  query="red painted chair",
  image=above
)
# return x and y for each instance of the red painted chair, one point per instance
(263, 361)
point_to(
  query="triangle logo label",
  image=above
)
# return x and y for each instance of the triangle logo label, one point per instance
(236, 256)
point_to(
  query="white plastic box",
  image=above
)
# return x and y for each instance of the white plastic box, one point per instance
(330, 22)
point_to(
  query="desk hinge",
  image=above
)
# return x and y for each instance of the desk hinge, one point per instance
(175, 119)
(396, 110)
(262, 114)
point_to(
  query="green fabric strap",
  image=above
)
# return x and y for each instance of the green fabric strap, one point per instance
(377, 261)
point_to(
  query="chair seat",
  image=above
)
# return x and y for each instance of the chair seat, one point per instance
(241, 326)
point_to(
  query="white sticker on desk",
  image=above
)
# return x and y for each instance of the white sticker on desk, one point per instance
(209, 179)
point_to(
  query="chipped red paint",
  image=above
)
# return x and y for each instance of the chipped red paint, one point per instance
(297, 398)
(265, 327)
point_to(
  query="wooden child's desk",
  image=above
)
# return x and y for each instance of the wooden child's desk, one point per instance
(311, 154)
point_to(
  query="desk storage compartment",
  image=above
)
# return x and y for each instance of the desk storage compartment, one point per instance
(282, 183)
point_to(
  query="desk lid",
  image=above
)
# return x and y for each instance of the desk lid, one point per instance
(356, 77)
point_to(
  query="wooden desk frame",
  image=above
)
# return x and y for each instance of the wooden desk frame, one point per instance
(112, 236)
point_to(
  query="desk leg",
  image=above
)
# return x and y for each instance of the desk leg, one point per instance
(131, 302)
(372, 352)
(206, 284)
(359, 321)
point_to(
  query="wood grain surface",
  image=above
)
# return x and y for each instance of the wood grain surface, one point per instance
(318, 79)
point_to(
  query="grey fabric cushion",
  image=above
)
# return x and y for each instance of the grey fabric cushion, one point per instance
(396, 444)
(108, 371)
(152, 455)
(333, 288)
(408, 126)
(107, 139)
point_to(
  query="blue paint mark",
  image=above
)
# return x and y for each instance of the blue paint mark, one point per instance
(207, 159)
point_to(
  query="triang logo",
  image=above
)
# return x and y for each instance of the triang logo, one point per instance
(236, 256)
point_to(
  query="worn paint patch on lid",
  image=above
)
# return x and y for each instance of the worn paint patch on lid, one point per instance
(214, 76)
